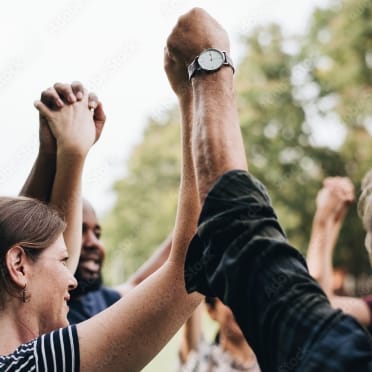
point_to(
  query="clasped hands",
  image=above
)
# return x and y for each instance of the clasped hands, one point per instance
(71, 119)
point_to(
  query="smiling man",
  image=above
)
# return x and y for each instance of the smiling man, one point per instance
(91, 296)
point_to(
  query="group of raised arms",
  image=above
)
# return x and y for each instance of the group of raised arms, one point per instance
(226, 245)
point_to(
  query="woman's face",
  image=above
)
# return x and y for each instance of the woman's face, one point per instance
(49, 285)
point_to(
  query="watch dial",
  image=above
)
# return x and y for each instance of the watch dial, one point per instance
(211, 59)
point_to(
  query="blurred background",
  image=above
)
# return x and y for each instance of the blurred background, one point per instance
(304, 82)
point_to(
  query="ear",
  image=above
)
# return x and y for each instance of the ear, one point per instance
(16, 261)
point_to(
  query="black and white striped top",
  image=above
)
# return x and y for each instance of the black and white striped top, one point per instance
(57, 351)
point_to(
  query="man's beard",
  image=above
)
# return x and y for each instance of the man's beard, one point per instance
(86, 285)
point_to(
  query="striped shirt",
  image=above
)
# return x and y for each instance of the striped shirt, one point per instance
(57, 351)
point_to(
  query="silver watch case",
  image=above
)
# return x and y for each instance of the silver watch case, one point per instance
(209, 60)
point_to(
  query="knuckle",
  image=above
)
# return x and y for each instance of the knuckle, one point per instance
(77, 85)
(57, 85)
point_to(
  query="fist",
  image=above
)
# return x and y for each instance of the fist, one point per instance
(194, 32)
(335, 196)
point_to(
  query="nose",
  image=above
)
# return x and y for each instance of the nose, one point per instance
(72, 283)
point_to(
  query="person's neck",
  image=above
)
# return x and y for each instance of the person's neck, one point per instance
(238, 349)
(16, 328)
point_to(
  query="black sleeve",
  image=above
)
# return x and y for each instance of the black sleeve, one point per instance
(241, 255)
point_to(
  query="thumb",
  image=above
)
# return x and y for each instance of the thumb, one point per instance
(43, 109)
(99, 118)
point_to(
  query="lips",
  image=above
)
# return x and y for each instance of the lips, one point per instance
(90, 266)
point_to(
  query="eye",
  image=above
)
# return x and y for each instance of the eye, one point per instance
(97, 233)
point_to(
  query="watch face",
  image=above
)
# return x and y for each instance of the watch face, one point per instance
(211, 59)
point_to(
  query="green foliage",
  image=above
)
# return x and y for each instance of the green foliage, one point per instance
(144, 211)
(340, 45)
(334, 63)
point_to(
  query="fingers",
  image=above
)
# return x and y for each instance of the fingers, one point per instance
(93, 101)
(51, 98)
(43, 109)
(65, 92)
(58, 95)
(342, 187)
(99, 118)
(78, 90)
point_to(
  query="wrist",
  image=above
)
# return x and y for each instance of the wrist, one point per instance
(47, 152)
(210, 60)
(71, 153)
(185, 99)
(221, 79)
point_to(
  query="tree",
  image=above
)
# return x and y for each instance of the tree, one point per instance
(285, 85)
(145, 207)
(340, 45)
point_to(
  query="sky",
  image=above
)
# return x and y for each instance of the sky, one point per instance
(115, 48)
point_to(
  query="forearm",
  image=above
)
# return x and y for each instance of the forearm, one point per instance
(66, 196)
(319, 258)
(192, 334)
(188, 201)
(142, 323)
(218, 145)
(40, 180)
(136, 328)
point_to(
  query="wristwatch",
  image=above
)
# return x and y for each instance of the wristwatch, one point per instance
(209, 60)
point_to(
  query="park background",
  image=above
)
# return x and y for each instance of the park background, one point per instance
(304, 83)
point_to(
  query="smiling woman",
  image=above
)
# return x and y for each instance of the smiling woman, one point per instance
(30, 253)
(35, 332)
(19, 236)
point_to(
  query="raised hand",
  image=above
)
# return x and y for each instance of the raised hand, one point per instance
(333, 199)
(194, 32)
(177, 75)
(70, 121)
(66, 94)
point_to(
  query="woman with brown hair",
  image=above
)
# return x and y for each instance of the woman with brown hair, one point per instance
(37, 267)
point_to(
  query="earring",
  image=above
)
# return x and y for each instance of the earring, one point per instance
(24, 294)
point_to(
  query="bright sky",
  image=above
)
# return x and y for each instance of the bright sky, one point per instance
(116, 49)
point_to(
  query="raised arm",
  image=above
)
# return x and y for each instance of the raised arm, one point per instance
(134, 329)
(39, 183)
(75, 131)
(40, 180)
(218, 145)
(331, 206)
(240, 252)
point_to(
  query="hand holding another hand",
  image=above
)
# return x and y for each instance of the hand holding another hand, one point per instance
(70, 119)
